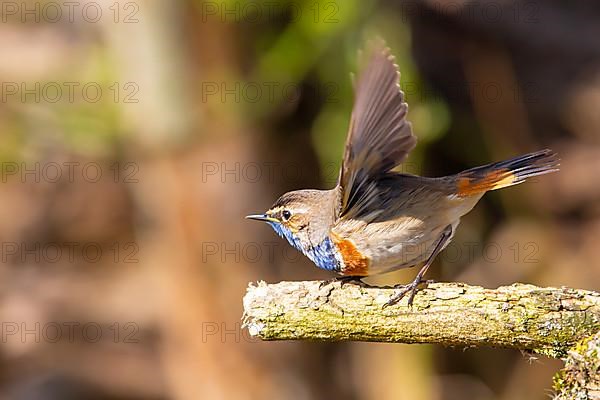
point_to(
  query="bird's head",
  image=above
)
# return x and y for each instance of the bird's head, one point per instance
(303, 217)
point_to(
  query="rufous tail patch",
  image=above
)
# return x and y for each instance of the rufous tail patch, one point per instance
(497, 179)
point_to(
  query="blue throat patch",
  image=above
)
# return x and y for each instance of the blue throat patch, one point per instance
(323, 254)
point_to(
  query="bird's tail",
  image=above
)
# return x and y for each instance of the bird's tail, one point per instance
(506, 173)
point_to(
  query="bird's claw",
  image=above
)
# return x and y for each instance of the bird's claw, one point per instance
(404, 290)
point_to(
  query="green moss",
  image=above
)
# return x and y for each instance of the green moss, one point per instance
(581, 372)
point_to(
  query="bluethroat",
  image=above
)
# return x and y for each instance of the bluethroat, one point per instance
(376, 220)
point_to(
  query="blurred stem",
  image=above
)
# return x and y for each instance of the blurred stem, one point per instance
(543, 320)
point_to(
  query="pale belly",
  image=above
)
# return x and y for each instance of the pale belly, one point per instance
(389, 246)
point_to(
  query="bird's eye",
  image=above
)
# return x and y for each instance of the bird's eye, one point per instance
(286, 215)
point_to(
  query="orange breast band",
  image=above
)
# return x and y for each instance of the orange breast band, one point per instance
(355, 263)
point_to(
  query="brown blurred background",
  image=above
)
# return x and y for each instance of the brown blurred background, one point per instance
(135, 135)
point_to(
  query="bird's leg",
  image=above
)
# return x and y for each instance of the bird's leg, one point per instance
(343, 279)
(412, 286)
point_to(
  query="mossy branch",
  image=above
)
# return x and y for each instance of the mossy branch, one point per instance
(548, 321)
(580, 379)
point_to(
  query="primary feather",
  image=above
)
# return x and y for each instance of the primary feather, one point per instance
(379, 136)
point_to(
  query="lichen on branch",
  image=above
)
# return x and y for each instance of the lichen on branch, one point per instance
(548, 321)
(580, 379)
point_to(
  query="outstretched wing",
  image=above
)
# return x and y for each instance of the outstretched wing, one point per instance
(380, 137)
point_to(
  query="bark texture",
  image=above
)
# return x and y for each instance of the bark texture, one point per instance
(547, 321)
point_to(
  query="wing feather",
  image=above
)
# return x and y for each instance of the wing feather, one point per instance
(379, 136)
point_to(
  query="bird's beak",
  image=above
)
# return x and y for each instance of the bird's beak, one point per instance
(261, 217)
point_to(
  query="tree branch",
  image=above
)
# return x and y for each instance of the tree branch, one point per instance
(544, 320)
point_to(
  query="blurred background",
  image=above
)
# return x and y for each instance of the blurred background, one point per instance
(135, 135)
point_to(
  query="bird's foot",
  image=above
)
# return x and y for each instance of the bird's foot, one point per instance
(403, 290)
(357, 280)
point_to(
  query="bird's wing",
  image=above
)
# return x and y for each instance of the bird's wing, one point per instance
(379, 136)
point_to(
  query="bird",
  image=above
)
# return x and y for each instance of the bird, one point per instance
(377, 220)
